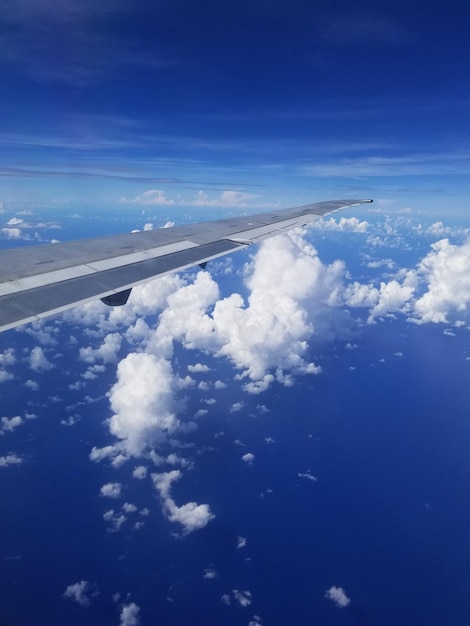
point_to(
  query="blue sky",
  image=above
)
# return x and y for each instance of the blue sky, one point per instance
(283, 437)
(283, 102)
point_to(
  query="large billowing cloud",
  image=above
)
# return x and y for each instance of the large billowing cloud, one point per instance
(291, 297)
(446, 270)
(266, 335)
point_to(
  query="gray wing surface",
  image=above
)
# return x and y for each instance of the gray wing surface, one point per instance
(38, 281)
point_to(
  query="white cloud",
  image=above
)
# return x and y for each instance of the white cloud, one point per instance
(130, 615)
(231, 199)
(244, 598)
(191, 516)
(8, 424)
(338, 596)
(236, 407)
(241, 542)
(151, 197)
(10, 459)
(115, 520)
(198, 367)
(7, 358)
(344, 224)
(31, 384)
(143, 402)
(12, 233)
(107, 352)
(249, 457)
(210, 574)
(38, 360)
(128, 507)
(446, 271)
(81, 592)
(111, 490)
(308, 475)
(140, 472)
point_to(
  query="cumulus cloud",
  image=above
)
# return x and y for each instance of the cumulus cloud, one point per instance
(249, 457)
(107, 352)
(198, 368)
(152, 197)
(130, 615)
(140, 472)
(231, 199)
(111, 490)
(10, 459)
(8, 424)
(308, 476)
(344, 224)
(143, 402)
(81, 593)
(243, 598)
(338, 596)
(115, 520)
(191, 516)
(446, 270)
(31, 384)
(266, 336)
(38, 360)
(7, 358)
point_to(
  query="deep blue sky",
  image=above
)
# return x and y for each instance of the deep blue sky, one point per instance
(303, 496)
(291, 101)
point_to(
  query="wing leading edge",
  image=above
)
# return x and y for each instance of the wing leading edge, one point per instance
(42, 280)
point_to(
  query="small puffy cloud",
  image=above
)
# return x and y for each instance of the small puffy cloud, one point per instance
(114, 519)
(249, 457)
(198, 367)
(244, 598)
(12, 233)
(107, 352)
(338, 596)
(241, 542)
(152, 197)
(344, 224)
(308, 476)
(8, 424)
(111, 490)
(231, 199)
(7, 358)
(210, 574)
(130, 615)
(31, 384)
(10, 459)
(191, 516)
(438, 230)
(128, 507)
(140, 472)
(81, 593)
(236, 407)
(38, 360)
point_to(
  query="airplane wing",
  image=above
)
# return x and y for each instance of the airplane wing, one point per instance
(38, 281)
